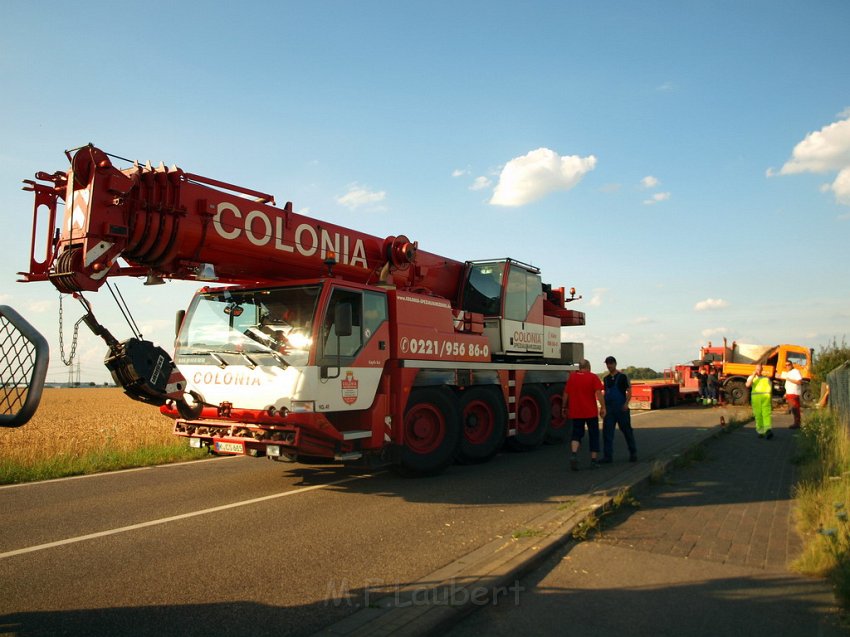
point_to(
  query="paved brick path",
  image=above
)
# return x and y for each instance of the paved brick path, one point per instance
(733, 505)
(706, 553)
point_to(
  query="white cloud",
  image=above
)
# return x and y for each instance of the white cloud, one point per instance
(459, 172)
(841, 187)
(359, 196)
(649, 181)
(538, 173)
(824, 151)
(659, 196)
(711, 304)
(480, 183)
(714, 331)
(40, 307)
(596, 299)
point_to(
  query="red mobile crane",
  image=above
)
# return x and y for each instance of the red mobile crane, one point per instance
(315, 341)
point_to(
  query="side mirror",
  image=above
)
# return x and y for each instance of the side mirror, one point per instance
(343, 319)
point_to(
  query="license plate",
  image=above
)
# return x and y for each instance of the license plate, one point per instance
(222, 446)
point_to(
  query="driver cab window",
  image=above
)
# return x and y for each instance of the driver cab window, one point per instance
(368, 312)
(523, 290)
(344, 345)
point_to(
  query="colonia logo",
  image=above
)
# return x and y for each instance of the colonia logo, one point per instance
(349, 388)
(528, 338)
(306, 240)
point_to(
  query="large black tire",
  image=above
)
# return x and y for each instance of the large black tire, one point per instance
(532, 419)
(807, 396)
(484, 424)
(737, 392)
(431, 432)
(560, 427)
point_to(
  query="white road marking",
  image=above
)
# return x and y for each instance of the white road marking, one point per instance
(174, 518)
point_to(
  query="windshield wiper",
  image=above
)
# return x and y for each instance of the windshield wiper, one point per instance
(221, 362)
(251, 362)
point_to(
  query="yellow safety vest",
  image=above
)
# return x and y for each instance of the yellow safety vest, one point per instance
(761, 385)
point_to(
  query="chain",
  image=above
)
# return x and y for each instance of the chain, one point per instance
(73, 339)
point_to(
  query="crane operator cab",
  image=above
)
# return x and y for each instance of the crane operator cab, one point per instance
(510, 294)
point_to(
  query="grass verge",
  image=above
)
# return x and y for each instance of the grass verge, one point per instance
(822, 497)
(63, 465)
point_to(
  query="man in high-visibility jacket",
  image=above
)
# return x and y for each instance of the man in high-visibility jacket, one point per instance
(761, 390)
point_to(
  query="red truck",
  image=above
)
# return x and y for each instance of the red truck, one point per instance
(308, 340)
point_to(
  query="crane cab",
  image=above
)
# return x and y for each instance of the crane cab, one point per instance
(510, 294)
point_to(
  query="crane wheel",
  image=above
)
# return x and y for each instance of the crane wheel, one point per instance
(559, 425)
(431, 432)
(484, 419)
(532, 419)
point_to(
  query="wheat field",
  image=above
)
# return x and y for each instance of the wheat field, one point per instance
(72, 423)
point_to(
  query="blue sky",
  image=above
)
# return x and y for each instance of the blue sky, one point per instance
(684, 165)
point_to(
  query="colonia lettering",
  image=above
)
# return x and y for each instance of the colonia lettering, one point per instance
(307, 240)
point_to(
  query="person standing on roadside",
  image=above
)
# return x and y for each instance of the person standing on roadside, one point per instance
(702, 376)
(618, 393)
(793, 386)
(711, 382)
(582, 404)
(760, 399)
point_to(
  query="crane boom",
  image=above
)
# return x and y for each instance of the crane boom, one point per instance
(168, 223)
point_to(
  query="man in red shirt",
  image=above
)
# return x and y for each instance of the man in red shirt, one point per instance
(583, 404)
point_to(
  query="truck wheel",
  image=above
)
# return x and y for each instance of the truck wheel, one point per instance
(532, 419)
(484, 419)
(559, 426)
(737, 392)
(807, 396)
(657, 399)
(431, 432)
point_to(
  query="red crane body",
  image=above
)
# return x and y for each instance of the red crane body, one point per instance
(397, 353)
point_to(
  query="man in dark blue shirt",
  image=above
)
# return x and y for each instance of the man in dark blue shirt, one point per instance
(618, 392)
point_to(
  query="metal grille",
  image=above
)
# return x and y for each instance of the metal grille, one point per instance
(23, 367)
(839, 392)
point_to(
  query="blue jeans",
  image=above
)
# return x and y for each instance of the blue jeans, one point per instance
(614, 416)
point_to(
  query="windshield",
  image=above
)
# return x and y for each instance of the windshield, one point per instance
(799, 359)
(275, 321)
(483, 291)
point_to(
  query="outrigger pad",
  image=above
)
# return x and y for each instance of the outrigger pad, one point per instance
(24, 355)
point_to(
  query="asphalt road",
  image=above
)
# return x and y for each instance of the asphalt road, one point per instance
(244, 546)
